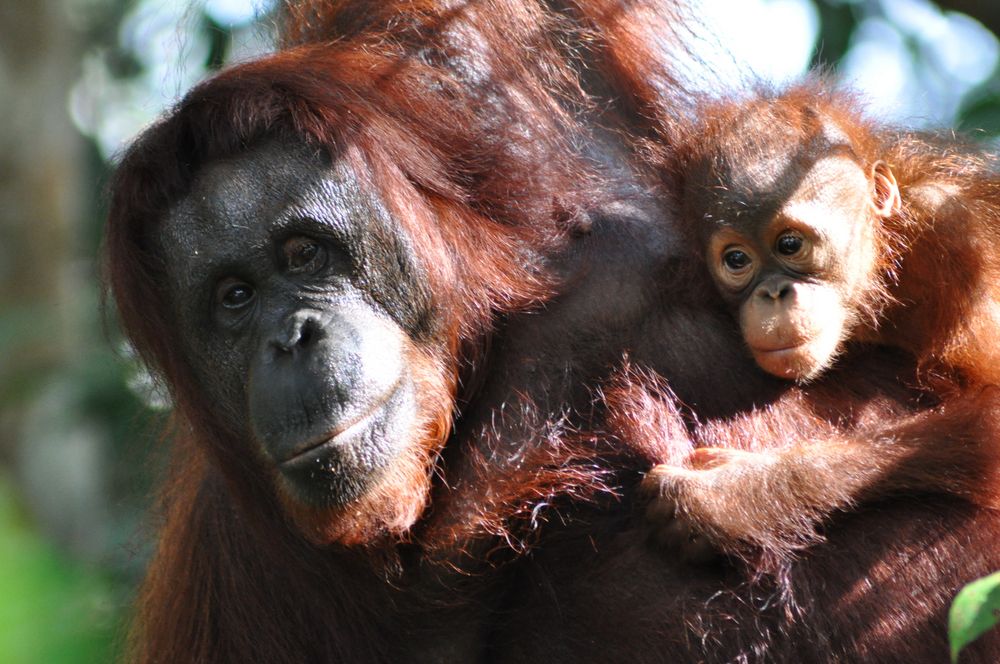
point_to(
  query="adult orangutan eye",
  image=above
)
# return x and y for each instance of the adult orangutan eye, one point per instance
(303, 254)
(789, 244)
(736, 260)
(233, 294)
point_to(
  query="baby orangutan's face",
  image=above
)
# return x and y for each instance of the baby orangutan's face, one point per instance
(797, 259)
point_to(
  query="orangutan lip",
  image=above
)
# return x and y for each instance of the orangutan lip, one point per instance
(344, 429)
(782, 349)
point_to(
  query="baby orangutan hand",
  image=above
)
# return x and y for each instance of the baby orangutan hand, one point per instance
(726, 500)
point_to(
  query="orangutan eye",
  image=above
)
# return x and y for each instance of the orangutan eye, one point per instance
(789, 244)
(736, 260)
(233, 294)
(303, 254)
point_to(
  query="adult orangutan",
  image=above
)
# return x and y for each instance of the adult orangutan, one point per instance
(313, 250)
(326, 253)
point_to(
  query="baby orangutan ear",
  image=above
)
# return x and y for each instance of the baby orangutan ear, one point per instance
(885, 194)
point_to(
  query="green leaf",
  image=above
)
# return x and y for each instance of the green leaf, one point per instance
(974, 612)
(980, 113)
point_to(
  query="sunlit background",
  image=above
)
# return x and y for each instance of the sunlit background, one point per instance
(78, 79)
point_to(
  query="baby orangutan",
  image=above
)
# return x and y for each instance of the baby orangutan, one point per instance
(825, 236)
(819, 229)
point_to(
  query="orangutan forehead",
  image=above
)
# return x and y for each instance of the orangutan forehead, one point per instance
(759, 165)
(235, 203)
(769, 153)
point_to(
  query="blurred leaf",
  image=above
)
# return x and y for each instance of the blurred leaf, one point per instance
(220, 39)
(837, 21)
(974, 612)
(981, 112)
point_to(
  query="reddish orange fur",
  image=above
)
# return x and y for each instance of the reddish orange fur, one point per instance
(935, 296)
(231, 580)
(939, 267)
(782, 470)
(629, 43)
(419, 146)
(554, 471)
(479, 169)
(400, 150)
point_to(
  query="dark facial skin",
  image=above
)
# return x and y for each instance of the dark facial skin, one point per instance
(283, 272)
(794, 254)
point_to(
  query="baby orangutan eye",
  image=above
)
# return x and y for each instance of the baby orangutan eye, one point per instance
(789, 244)
(736, 260)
